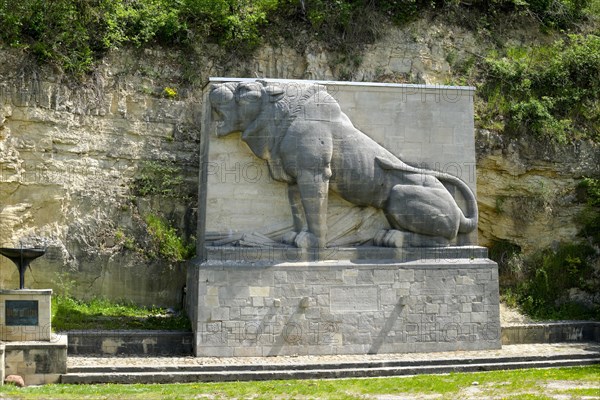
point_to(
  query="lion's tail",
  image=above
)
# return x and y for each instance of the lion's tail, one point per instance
(469, 221)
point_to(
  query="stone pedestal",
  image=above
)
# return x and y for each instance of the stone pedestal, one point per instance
(30, 349)
(422, 300)
(25, 314)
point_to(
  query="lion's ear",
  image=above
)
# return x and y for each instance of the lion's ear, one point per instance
(275, 92)
(248, 92)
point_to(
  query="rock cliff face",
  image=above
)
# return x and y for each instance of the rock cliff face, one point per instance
(70, 153)
(527, 189)
(83, 162)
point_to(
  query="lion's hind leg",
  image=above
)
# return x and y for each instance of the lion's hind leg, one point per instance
(419, 217)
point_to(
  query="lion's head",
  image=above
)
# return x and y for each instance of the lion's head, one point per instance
(236, 105)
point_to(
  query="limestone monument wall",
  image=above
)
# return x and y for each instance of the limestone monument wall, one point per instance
(252, 292)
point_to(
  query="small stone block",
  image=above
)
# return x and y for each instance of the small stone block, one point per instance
(262, 291)
(219, 314)
(432, 308)
(384, 276)
(258, 301)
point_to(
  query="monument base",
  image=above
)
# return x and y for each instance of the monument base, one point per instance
(357, 306)
(37, 362)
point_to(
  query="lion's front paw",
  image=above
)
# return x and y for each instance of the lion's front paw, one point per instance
(395, 238)
(306, 240)
(289, 238)
(390, 238)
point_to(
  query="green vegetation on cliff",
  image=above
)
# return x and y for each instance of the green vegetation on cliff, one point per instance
(165, 242)
(75, 33)
(552, 92)
(548, 91)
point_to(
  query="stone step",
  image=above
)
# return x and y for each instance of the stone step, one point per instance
(321, 366)
(314, 371)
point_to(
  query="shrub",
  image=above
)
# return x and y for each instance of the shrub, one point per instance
(232, 23)
(166, 242)
(551, 275)
(510, 262)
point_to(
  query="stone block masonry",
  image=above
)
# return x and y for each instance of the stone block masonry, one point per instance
(345, 307)
(38, 362)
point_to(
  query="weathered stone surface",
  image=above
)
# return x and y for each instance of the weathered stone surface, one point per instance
(528, 189)
(70, 153)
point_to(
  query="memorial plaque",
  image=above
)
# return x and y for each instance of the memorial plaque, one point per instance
(21, 312)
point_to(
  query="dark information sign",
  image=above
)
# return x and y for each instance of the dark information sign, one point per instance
(21, 312)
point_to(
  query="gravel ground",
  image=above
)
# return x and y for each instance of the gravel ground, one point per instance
(506, 351)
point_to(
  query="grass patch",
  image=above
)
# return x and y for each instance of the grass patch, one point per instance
(101, 314)
(531, 384)
(587, 392)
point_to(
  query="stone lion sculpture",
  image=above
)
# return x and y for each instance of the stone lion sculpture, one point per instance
(309, 143)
